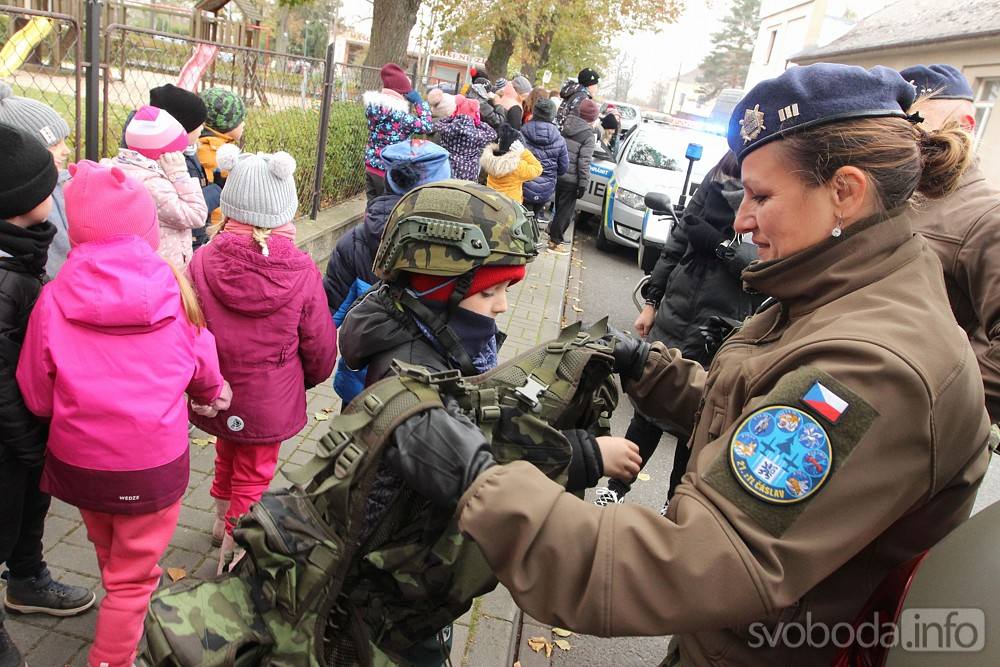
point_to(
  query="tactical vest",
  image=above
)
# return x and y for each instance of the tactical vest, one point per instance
(350, 558)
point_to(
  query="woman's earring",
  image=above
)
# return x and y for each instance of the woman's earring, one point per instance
(837, 231)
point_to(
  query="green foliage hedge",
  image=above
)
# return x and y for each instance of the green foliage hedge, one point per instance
(296, 132)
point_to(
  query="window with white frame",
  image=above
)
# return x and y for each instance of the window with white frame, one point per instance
(987, 96)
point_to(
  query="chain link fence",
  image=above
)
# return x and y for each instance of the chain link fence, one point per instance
(41, 57)
(283, 93)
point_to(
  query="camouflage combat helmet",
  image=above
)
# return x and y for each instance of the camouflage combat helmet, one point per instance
(449, 228)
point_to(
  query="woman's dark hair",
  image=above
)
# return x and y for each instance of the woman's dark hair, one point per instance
(535, 95)
(729, 165)
(900, 158)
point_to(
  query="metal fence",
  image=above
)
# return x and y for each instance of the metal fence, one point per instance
(45, 61)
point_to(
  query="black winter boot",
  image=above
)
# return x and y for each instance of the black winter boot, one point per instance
(9, 655)
(42, 594)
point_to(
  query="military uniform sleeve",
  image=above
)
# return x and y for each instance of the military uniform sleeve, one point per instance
(978, 274)
(670, 388)
(723, 556)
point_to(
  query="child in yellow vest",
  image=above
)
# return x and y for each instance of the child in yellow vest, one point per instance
(223, 125)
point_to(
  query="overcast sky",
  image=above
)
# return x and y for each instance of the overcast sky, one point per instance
(658, 54)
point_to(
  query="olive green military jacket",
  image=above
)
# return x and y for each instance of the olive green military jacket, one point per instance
(798, 498)
(964, 230)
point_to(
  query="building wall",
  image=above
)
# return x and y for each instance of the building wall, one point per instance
(977, 60)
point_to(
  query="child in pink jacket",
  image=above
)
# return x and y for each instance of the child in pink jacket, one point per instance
(154, 156)
(112, 346)
(265, 303)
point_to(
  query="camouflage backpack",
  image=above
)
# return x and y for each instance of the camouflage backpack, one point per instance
(349, 563)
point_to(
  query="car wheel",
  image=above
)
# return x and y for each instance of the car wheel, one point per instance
(602, 241)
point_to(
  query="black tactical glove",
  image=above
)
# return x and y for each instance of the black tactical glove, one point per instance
(580, 191)
(439, 453)
(715, 331)
(703, 237)
(630, 353)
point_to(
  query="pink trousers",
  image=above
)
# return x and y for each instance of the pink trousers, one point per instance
(128, 547)
(242, 474)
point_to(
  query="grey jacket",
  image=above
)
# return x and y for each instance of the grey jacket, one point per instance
(580, 143)
(60, 244)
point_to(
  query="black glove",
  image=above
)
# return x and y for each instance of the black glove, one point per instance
(715, 331)
(580, 191)
(630, 353)
(440, 453)
(703, 237)
(587, 467)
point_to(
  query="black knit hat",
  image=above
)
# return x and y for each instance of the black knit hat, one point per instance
(506, 135)
(185, 106)
(29, 175)
(588, 77)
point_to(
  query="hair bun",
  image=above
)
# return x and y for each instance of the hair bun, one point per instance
(946, 154)
(282, 165)
(227, 156)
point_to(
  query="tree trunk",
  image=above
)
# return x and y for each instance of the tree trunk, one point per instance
(281, 39)
(392, 21)
(502, 49)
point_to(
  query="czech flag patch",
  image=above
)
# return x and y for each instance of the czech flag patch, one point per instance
(825, 402)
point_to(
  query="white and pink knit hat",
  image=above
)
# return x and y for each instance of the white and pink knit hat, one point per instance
(153, 132)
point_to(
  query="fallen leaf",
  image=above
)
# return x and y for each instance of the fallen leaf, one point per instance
(321, 416)
(561, 632)
(200, 442)
(548, 650)
(517, 663)
(563, 644)
(536, 644)
(213, 439)
(643, 477)
(577, 309)
(176, 573)
(327, 410)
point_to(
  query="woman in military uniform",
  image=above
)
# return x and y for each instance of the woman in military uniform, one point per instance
(837, 434)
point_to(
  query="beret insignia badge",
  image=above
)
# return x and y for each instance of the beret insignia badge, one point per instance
(752, 124)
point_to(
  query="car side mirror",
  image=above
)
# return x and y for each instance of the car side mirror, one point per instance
(658, 202)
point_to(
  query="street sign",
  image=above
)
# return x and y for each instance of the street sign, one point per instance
(546, 76)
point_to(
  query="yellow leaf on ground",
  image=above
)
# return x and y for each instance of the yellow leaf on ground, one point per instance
(563, 644)
(517, 663)
(200, 442)
(643, 477)
(577, 309)
(176, 573)
(536, 644)
(213, 439)
(548, 650)
(321, 416)
(561, 632)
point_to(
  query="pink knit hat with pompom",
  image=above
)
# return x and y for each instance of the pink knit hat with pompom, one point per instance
(103, 202)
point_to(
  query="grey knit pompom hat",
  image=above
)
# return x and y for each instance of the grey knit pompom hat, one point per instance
(260, 188)
(36, 118)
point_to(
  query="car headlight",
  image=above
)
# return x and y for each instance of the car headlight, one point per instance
(631, 199)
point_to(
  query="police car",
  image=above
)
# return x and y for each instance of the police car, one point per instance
(651, 158)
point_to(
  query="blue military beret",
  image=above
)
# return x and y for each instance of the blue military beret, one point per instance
(946, 82)
(804, 97)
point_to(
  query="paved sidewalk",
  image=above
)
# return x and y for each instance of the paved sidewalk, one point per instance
(483, 636)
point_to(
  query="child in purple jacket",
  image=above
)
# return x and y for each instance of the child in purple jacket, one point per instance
(264, 300)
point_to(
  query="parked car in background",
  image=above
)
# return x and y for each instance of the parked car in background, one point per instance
(629, 114)
(649, 159)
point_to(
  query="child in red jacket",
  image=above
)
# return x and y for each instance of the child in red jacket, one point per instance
(264, 300)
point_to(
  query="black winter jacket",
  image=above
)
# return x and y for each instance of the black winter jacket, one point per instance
(690, 282)
(580, 144)
(377, 331)
(572, 94)
(22, 435)
(354, 254)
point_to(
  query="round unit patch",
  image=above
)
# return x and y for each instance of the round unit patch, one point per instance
(781, 454)
(235, 424)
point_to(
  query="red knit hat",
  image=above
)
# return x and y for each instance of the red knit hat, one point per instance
(484, 278)
(394, 78)
(94, 191)
(589, 110)
(466, 107)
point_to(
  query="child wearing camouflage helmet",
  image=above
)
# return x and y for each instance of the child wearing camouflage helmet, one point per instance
(437, 307)
(226, 116)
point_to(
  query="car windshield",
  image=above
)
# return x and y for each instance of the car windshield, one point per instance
(666, 149)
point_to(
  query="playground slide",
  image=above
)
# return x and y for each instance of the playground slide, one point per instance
(195, 66)
(22, 43)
